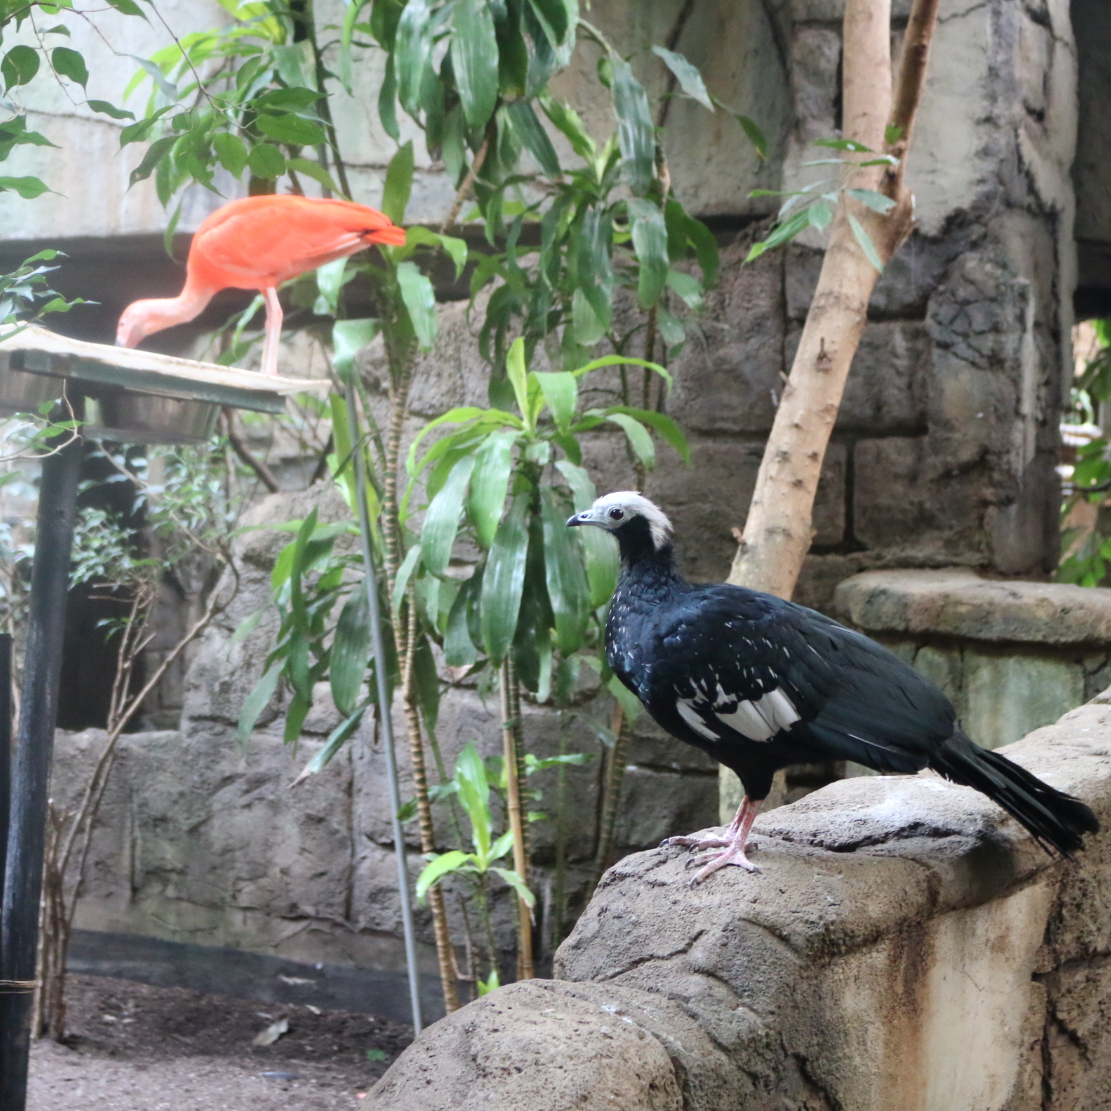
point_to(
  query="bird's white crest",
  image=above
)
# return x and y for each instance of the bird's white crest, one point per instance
(634, 504)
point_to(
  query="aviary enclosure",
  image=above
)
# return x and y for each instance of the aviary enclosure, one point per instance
(806, 274)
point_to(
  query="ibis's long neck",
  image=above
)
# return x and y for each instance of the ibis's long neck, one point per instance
(156, 313)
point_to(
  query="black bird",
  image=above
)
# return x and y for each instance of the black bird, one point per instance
(760, 683)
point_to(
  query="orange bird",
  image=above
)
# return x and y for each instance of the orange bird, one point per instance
(258, 243)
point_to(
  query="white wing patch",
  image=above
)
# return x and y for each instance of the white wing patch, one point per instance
(691, 716)
(758, 719)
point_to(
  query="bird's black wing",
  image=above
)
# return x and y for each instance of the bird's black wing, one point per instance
(743, 666)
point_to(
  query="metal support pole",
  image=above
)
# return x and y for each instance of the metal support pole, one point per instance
(5, 746)
(34, 748)
(384, 708)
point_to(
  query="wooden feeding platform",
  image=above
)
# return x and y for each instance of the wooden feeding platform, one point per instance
(116, 394)
(133, 395)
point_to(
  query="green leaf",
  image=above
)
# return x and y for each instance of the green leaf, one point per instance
(315, 171)
(586, 328)
(567, 120)
(873, 200)
(650, 244)
(517, 373)
(27, 187)
(399, 183)
(266, 161)
(19, 66)
(662, 423)
(629, 701)
(755, 135)
(420, 302)
(565, 575)
(490, 483)
(459, 649)
(336, 740)
(350, 649)
(514, 880)
(561, 392)
(535, 139)
(705, 250)
(617, 360)
(636, 133)
(349, 337)
(259, 699)
(865, 242)
(474, 794)
(404, 573)
(387, 98)
(413, 46)
(819, 214)
(231, 151)
(107, 109)
(690, 80)
(441, 522)
(638, 437)
(426, 680)
(245, 628)
(687, 287)
(459, 415)
(844, 144)
(291, 129)
(69, 63)
(441, 866)
(504, 579)
(155, 153)
(474, 56)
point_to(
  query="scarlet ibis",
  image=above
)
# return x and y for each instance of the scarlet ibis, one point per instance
(258, 243)
(759, 683)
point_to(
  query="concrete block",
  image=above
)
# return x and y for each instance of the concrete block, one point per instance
(1010, 696)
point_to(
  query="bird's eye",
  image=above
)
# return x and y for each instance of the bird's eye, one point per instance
(616, 514)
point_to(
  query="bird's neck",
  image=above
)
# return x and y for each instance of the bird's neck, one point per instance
(641, 559)
(165, 312)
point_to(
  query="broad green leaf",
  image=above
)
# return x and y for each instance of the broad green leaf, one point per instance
(616, 360)
(561, 392)
(350, 649)
(866, 244)
(259, 698)
(404, 573)
(690, 80)
(69, 63)
(567, 120)
(336, 740)
(650, 244)
(19, 66)
(399, 183)
(873, 200)
(459, 415)
(441, 522)
(502, 845)
(586, 328)
(636, 133)
(503, 580)
(592, 249)
(459, 649)
(299, 708)
(474, 794)
(533, 136)
(687, 287)
(514, 880)
(291, 129)
(107, 109)
(415, 236)
(638, 436)
(629, 701)
(568, 589)
(662, 423)
(755, 135)
(705, 250)
(349, 337)
(441, 866)
(155, 153)
(387, 98)
(819, 214)
(426, 681)
(315, 171)
(844, 144)
(413, 45)
(420, 301)
(490, 483)
(266, 161)
(232, 152)
(27, 187)
(329, 284)
(474, 56)
(517, 373)
(245, 628)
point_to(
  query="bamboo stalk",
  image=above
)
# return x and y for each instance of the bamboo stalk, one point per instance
(514, 775)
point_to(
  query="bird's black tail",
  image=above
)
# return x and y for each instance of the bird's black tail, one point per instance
(1055, 819)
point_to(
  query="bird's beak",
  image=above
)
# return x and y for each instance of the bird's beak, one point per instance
(586, 517)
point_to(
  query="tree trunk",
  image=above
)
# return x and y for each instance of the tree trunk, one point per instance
(778, 530)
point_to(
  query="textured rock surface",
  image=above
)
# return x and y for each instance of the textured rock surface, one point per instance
(905, 946)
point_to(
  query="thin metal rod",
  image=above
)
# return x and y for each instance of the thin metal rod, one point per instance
(5, 746)
(34, 750)
(384, 715)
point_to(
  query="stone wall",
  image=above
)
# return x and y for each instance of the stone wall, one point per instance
(905, 948)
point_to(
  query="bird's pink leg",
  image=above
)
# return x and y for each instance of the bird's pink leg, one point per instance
(733, 843)
(273, 333)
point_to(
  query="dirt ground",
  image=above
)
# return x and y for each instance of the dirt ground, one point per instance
(139, 1048)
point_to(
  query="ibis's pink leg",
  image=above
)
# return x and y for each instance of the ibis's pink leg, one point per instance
(273, 334)
(733, 843)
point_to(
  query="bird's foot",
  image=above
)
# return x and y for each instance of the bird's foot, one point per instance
(734, 854)
(696, 842)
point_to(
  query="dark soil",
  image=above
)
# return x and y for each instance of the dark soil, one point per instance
(133, 1047)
